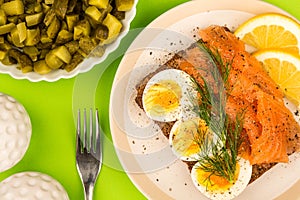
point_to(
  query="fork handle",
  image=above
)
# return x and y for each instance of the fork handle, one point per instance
(88, 190)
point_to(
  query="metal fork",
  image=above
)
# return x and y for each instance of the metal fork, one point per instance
(88, 151)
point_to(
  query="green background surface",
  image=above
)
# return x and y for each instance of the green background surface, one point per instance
(51, 108)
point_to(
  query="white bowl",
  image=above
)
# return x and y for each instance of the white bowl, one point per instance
(84, 66)
(33, 186)
(15, 132)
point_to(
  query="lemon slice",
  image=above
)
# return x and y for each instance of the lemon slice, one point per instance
(284, 68)
(271, 30)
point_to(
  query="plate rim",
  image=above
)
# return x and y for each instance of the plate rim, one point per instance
(212, 5)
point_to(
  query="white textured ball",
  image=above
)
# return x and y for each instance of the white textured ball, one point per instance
(15, 132)
(32, 186)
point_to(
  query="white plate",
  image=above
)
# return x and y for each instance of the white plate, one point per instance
(142, 149)
(84, 66)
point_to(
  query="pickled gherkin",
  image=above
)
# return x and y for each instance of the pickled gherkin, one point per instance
(33, 37)
(94, 13)
(49, 17)
(53, 28)
(63, 37)
(34, 19)
(71, 5)
(53, 61)
(71, 21)
(60, 8)
(99, 3)
(4, 48)
(6, 28)
(83, 28)
(62, 53)
(41, 67)
(23, 60)
(32, 52)
(2, 54)
(15, 38)
(46, 35)
(114, 27)
(124, 5)
(86, 44)
(101, 33)
(72, 46)
(3, 17)
(15, 7)
(22, 31)
(76, 59)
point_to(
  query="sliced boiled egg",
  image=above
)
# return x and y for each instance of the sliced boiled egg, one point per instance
(217, 187)
(169, 95)
(187, 137)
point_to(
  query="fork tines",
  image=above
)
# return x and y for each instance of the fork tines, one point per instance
(89, 135)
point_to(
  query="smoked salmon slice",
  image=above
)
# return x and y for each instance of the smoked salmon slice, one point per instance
(271, 145)
(271, 128)
(245, 69)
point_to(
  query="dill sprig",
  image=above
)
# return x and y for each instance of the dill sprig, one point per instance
(220, 157)
(218, 153)
(216, 60)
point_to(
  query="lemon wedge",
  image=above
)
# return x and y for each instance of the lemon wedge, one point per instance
(284, 68)
(271, 30)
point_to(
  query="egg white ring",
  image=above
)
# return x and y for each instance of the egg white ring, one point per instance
(33, 186)
(189, 94)
(15, 131)
(238, 187)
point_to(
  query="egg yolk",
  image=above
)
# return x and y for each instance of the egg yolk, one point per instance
(162, 97)
(189, 136)
(215, 183)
